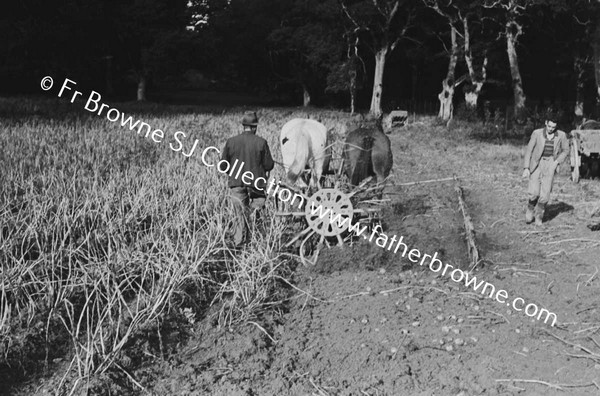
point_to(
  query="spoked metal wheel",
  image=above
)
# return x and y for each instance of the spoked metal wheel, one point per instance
(324, 206)
(327, 215)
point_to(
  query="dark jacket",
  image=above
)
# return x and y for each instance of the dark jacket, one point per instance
(535, 148)
(252, 153)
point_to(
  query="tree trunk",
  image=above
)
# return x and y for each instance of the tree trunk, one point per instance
(472, 95)
(352, 92)
(596, 47)
(306, 96)
(579, 88)
(380, 58)
(473, 90)
(447, 95)
(141, 91)
(513, 31)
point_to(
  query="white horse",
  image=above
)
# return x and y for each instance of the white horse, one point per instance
(304, 145)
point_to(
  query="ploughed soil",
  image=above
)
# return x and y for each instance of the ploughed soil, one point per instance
(371, 322)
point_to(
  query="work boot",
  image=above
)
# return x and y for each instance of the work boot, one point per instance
(539, 213)
(529, 212)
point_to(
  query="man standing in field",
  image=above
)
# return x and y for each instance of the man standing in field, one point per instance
(255, 156)
(546, 149)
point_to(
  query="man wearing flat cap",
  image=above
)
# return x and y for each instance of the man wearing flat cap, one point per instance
(547, 148)
(253, 154)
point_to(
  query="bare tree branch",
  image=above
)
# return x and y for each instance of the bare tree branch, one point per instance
(345, 9)
(581, 23)
(434, 5)
(493, 4)
(468, 53)
(443, 43)
(460, 80)
(484, 66)
(376, 4)
(394, 10)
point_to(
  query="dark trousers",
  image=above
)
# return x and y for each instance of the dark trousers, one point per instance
(246, 203)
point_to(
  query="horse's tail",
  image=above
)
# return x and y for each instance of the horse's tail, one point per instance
(363, 167)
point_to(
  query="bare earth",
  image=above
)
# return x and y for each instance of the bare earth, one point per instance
(346, 336)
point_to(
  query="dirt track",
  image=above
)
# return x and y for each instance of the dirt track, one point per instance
(344, 337)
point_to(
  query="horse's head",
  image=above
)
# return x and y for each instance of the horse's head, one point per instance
(366, 121)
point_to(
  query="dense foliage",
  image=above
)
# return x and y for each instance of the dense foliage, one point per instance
(320, 50)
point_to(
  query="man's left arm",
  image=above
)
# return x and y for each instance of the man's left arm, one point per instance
(564, 149)
(267, 160)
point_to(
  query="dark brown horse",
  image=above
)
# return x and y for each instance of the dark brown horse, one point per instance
(367, 152)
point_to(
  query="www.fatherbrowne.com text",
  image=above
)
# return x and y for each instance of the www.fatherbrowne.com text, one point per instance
(93, 104)
(435, 264)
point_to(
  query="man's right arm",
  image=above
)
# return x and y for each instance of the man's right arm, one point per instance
(267, 160)
(529, 150)
(225, 156)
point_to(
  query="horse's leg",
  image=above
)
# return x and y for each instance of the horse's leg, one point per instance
(317, 172)
(296, 179)
(280, 206)
(382, 164)
(381, 178)
(276, 200)
(303, 181)
(310, 183)
(318, 180)
(314, 183)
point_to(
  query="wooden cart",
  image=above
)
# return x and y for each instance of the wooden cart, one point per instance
(585, 149)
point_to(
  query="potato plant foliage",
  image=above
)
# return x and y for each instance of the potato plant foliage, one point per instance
(105, 235)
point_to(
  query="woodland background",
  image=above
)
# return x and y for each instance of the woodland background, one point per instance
(419, 55)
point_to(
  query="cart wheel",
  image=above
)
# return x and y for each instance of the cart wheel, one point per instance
(575, 161)
(575, 174)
